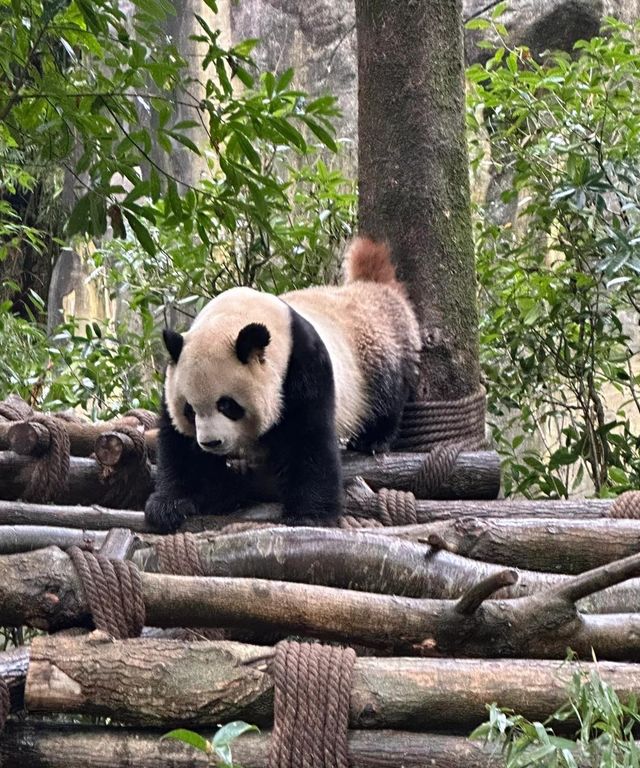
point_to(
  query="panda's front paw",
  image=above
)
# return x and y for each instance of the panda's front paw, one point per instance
(167, 513)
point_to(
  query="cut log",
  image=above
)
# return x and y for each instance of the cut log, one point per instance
(102, 518)
(542, 544)
(475, 475)
(95, 517)
(42, 589)
(26, 538)
(27, 437)
(44, 745)
(370, 562)
(204, 683)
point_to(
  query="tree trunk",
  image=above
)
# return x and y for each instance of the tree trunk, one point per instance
(202, 683)
(42, 589)
(43, 745)
(413, 175)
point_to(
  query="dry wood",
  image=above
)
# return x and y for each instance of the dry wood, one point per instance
(112, 447)
(559, 514)
(475, 475)
(42, 589)
(202, 683)
(369, 561)
(26, 538)
(94, 517)
(25, 436)
(42, 745)
(542, 544)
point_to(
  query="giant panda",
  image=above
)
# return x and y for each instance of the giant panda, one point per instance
(286, 378)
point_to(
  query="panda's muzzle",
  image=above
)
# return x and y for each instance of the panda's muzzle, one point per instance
(211, 445)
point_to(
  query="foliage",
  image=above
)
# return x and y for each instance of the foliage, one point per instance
(219, 746)
(103, 108)
(560, 272)
(604, 737)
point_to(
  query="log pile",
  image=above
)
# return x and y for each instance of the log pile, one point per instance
(476, 600)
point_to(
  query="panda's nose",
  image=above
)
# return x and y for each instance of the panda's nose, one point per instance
(211, 444)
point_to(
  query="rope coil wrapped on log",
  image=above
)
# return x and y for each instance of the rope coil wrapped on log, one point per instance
(113, 590)
(51, 471)
(388, 507)
(14, 408)
(5, 703)
(430, 423)
(179, 555)
(311, 708)
(627, 505)
(130, 482)
(146, 419)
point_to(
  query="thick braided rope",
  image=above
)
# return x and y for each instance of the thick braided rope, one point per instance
(129, 483)
(5, 703)
(626, 505)
(387, 507)
(311, 708)
(14, 408)
(113, 590)
(179, 555)
(430, 423)
(51, 471)
(146, 419)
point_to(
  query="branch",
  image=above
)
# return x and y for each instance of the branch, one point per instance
(474, 597)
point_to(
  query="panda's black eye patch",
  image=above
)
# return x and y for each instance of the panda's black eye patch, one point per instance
(229, 408)
(189, 413)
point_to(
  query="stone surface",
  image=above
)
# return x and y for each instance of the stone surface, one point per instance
(318, 38)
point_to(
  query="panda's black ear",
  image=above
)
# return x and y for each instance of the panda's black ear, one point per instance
(252, 340)
(173, 342)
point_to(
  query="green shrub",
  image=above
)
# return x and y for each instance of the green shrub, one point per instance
(559, 278)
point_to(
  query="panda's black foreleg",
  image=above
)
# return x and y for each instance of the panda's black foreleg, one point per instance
(308, 469)
(188, 481)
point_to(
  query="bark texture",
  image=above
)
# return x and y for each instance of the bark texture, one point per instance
(165, 682)
(42, 589)
(27, 745)
(413, 175)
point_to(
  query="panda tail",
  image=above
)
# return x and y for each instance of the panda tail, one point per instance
(369, 260)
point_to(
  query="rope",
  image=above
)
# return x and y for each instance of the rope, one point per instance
(179, 555)
(5, 703)
(14, 408)
(626, 505)
(146, 419)
(113, 591)
(129, 483)
(311, 708)
(430, 423)
(51, 471)
(387, 507)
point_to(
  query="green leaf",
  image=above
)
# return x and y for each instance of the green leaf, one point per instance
(189, 737)
(173, 196)
(321, 133)
(79, 216)
(231, 731)
(141, 232)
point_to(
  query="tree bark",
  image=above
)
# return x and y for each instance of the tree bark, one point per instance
(553, 545)
(413, 175)
(28, 438)
(43, 745)
(474, 475)
(162, 682)
(371, 562)
(42, 589)
(428, 511)
(26, 538)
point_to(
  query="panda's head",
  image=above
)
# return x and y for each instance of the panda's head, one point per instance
(224, 382)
